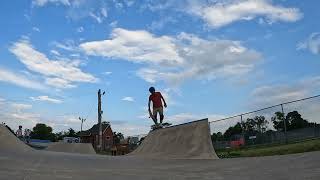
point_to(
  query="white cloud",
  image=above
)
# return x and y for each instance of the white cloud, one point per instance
(180, 58)
(15, 114)
(20, 106)
(96, 17)
(187, 117)
(54, 52)
(80, 29)
(59, 83)
(129, 129)
(36, 29)
(205, 59)
(104, 12)
(136, 46)
(47, 99)
(312, 43)
(63, 71)
(45, 2)
(222, 13)
(128, 98)
(279, 93)
(107, 73)
(113, 24)
(68, 45)
(158, 25)
(19, 80)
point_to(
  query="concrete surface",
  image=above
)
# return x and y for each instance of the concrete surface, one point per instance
(81, 148)
(18, 161)
(186, 141)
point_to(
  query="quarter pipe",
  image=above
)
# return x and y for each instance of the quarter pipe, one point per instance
(186, 141)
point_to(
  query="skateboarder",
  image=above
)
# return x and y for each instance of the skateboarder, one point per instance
(19, 133)
(157, 107)
(27, 133)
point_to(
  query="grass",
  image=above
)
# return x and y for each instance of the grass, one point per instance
(270, 150)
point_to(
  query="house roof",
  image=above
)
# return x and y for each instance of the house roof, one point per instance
(95, 129)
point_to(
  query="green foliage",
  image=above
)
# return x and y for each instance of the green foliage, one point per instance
(270, 150)
(43, 132)
(233, 130)
(277, 121)
(293, 121)
(70, 133)
(117, 137)
(217, 136)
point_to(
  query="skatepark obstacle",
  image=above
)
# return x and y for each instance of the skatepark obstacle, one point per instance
(81, 148)
(185, 141)
(9, 142)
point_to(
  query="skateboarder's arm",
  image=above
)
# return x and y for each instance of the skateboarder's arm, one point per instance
(149, 105)
(164, 101)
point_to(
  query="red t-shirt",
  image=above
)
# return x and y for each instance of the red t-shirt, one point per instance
(156, 99)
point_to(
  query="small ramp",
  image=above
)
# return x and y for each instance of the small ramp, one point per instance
(80, 148)
(186, 141)
(9, 142)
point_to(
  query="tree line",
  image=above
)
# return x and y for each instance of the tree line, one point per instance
(259, 125)
(44, 132)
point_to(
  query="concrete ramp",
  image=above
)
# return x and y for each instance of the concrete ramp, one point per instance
(10, 143)
(80, 148)
(186, 141)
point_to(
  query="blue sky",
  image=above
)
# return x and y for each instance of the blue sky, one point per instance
(209, 59)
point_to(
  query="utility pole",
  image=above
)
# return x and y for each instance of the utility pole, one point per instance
(284, 124)
(82, 120)
(99, 119)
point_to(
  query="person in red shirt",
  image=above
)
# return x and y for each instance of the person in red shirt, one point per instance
(156, 98)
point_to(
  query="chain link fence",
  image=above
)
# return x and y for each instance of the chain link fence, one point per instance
(279, 124)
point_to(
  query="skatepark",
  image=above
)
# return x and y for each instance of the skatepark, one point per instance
(179, 152)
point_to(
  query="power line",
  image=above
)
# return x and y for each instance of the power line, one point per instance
(289, 102)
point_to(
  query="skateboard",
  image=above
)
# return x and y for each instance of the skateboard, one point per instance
(160, 126)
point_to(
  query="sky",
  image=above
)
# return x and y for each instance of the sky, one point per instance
(209, 59)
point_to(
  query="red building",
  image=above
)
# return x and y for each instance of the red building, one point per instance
(92, 136)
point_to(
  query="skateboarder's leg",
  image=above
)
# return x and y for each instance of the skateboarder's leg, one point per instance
(161, 114)
(154, 113)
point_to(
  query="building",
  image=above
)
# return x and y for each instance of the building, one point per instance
(92, 136)
(120, 149)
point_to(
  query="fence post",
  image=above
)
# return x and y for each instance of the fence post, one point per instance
(284, 124)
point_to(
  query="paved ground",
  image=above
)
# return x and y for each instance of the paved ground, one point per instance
(81, 148)
(55, 165)
(18, 161)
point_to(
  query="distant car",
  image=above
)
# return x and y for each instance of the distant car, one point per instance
(237, 141)
(71, 140)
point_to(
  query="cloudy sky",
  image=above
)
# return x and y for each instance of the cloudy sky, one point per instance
(209, 58)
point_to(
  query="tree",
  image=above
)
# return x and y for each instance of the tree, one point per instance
(296, 121)
(117, 137)
(71, 133)
(43, 132)
(293, 120)
(260, 123)
(256, 125)
(277, 121)
(248, 125)
(233, 130)
(217, 137)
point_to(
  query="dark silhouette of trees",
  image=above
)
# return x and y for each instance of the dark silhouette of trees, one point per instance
(293, 121)
(217, 136)
(117, 137)
(43, 132)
